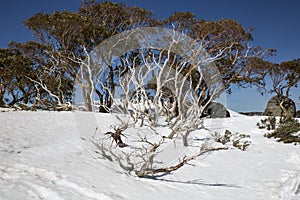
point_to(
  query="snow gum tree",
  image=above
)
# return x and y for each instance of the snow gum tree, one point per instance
(67, 38)
(13, 85)
(70, 37)
(284, 77)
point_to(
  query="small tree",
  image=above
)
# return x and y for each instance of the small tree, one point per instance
(284, 77)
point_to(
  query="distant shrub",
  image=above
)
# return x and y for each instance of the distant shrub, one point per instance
(240, 143)
(223, 138)
(288, 131)
(268, 123)
(237, 140)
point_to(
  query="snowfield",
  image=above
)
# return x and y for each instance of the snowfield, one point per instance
(45, 155)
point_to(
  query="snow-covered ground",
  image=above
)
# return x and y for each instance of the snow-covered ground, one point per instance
(43, 156)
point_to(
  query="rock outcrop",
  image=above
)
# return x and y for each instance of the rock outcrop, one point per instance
(273, 107)
(216, 110)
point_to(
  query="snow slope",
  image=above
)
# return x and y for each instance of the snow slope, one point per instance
(43, 156)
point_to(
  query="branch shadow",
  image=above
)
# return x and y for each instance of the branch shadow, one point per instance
(194, 182)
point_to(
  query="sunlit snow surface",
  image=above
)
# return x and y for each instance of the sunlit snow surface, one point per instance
(44, 156)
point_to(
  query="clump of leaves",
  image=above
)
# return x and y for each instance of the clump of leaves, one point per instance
(237, 140)
(268, 123)
(288, 131)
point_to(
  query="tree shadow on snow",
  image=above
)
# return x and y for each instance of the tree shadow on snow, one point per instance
(194, 182)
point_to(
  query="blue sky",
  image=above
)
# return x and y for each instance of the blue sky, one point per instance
(276, 25)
